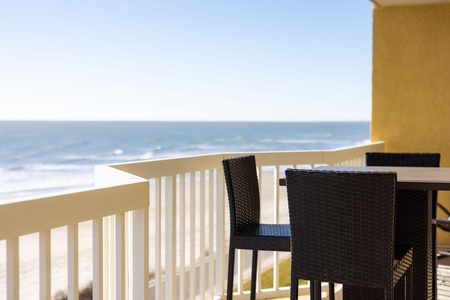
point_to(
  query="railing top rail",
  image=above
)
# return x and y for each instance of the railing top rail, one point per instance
(129, 182)
(28, 215)
(171, 166)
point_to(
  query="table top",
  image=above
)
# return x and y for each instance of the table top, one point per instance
(408, 178)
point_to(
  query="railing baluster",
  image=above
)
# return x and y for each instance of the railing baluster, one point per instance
(202, 235)
(276, 220)
(108, 268)
(97, 258)
(72, 261)
(211, 226)
(44, 264)
(171, 241)
(261, 184)
(220, 234)
(182, 236)
(192, 261)
(120, 255)
(140, 254)
(127, 252)
(12, 268)
(240, 269)
(158, 243)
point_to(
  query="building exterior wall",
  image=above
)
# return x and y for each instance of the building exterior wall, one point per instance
(411, 82)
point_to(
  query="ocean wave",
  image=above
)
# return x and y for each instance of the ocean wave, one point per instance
(318, 134)
(55, 167)
(364, 142)
(147, 155)
(42, 160)
(200, 147)
(298, 141)
(74, 159)
(42, 181)
(117, 152)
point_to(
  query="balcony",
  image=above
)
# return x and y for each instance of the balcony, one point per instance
(148, 230)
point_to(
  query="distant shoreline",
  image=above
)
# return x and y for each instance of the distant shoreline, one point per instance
(181, 121)
(41, 156)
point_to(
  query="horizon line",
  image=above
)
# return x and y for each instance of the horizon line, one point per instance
(190, 121)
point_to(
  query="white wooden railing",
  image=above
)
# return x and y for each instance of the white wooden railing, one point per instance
(157, 229)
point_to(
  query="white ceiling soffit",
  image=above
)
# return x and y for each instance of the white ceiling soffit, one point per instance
(407, 2)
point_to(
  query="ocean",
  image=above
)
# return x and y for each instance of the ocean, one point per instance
(47, 156)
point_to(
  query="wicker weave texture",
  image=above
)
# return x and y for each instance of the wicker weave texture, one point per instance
(403, 159)
(243, 193)
(414, 213)
(414, 228)
(246, 231)
(332, 231)
(334, 238)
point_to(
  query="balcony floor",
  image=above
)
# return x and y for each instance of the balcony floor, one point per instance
(443, 282)
(443, 278)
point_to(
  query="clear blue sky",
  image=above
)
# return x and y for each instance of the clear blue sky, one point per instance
(207, 60)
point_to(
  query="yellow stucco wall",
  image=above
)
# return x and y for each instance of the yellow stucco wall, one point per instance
(411, 82)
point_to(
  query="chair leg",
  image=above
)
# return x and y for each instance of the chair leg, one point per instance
(317, 290)
(312, 290)
(231, 256)
(294, 288)
(330, 290)
(253, 280)
(389, 294)
(409, 276)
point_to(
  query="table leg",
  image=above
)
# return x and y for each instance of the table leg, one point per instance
(414, 227)
(433, 196)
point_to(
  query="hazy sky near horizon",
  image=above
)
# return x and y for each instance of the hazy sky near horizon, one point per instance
(186, 60)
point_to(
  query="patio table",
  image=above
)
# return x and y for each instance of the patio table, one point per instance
(421, 231)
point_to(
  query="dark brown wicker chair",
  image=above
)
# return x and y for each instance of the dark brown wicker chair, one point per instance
(246, 231)
(334, 239)
(412, 205)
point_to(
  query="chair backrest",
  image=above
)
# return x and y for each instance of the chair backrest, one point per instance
(342, 226)
(403, 159)
(243, 192)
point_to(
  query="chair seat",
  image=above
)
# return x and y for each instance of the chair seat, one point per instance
(265, 237)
